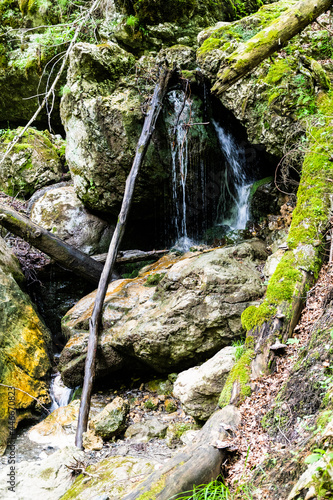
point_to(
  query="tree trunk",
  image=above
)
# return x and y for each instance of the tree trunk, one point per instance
(147, 131)
(127, 256)
(66, 255)
(248, 55)
(198, 463)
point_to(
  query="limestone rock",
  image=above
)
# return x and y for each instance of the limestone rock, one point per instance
(91, 441)
(142, 432)
(48, 479)
(9, 262)
(272, 262)
(113, 478)
(111, 421)
(199, 388)
(61, 212)
(25, 345)
(57, 429)
(33, 162)
(191, 314)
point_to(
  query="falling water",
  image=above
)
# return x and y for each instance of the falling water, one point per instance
(179, 154)
(233, 206)
(60, 394)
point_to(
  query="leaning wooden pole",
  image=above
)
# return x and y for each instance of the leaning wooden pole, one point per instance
(94, 322)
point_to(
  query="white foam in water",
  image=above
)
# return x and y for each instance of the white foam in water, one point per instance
(60, 394)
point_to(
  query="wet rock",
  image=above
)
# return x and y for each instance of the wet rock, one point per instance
(142, 432)
(61, 212)
(113, 478)
(264, 199)
(48, 479)
(34, 162)
(25, 345)
(199, 388)
(192, 313)
(111, 421)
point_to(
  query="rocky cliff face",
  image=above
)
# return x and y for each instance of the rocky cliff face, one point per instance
(25, 348)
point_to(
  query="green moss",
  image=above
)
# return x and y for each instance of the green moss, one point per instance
(255, 316)
(240, 373)
(310, 219)
(258, 184)
(154, 490)
(210, 44)
(154, 279)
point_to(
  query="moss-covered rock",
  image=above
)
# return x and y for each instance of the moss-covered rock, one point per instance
(111, 421)
(24, 356)
(270, 100)
(35, 161)
(110, 478)
(191, 314)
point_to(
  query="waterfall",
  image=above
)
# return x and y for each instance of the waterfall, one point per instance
(233, 205)
(178, 133)
(60, 394)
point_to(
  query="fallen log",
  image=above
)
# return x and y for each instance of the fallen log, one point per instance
(198, 463)
(272, 38)
(128, 256)
(66, 255)
(154, 109)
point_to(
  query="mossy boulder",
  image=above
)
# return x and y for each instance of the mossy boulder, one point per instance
(191, 314)
(271, 99)
(35, 161)
(111, 420)
(24, 355)
(110, 478)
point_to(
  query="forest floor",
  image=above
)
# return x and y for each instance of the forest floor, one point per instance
(253, 442)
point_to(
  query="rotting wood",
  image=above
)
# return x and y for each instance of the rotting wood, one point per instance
(66, 255)
(197, 463)
(127, 256)
(272, 38)
(94, 322)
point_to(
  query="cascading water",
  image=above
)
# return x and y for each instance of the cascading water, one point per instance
(60, 394)
(179, 154)
(233, 206)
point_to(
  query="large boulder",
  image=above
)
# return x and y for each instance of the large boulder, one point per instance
(113, 478)
(25, 345)
(35, 161)
(48, 479)
(199, 387)
(61, 212)
(176, 313)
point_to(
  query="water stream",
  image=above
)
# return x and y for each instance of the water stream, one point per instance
(60, 394)
(179, 154)
(233, 205)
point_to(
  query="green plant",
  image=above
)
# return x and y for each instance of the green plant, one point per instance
(150, 404)
(240, 347)
(217, 490)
